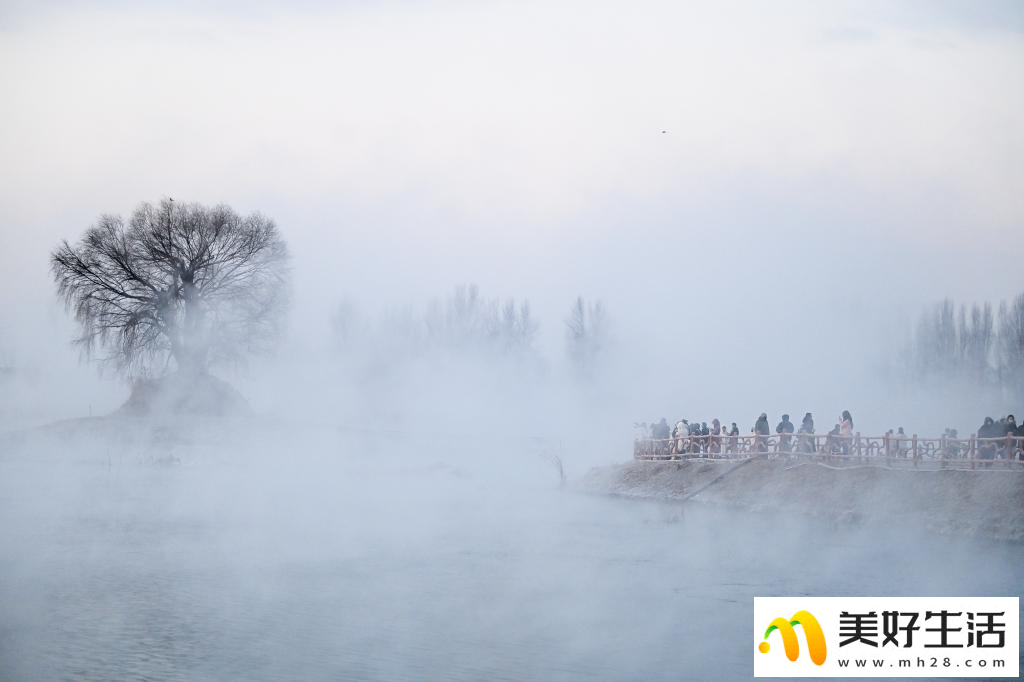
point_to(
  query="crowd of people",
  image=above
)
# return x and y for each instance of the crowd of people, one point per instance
(1006, 435)
(697, 437)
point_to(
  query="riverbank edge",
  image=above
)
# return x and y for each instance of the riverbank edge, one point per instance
(981, 503)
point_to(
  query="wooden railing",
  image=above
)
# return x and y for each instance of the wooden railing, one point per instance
(1007, 451)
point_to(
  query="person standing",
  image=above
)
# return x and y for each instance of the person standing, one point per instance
(716, 437)
(761, 432)
(807, 434)
(785, 430)
(846, 431)
(678, 432)
(1009, 431)
(987, 448)
(832, 445)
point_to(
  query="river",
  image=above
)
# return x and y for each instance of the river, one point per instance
(410, 567)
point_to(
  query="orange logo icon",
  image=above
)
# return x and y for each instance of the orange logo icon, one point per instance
(812, 631)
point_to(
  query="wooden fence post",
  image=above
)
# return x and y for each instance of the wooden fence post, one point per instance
(856, 444)
(914, 446)
(972, 450)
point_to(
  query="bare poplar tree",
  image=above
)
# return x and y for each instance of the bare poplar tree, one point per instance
(518, 327)
(586, 334)
(181, 283)
(945, 341)
(980, 343)
(1010, 343)
(346, 324)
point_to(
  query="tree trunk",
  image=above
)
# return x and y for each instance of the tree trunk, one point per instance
(193, 357)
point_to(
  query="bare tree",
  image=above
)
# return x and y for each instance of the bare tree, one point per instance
(962, 339)
(468, 321)
(957, 343)
(1010, 344)
(936, 346)
(518, 327)
(945, 337)
(586, 334)
(346, 324)
(180, 283)
(980, 341)
(463, 320)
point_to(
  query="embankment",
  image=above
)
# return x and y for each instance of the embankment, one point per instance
(982, 503)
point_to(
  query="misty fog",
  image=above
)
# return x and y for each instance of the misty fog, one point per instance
(755, 206)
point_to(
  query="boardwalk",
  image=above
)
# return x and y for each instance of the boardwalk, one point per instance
(891, 450)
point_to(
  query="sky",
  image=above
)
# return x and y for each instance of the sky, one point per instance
(745, 185)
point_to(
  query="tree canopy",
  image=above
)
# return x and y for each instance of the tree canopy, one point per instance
(179, 283)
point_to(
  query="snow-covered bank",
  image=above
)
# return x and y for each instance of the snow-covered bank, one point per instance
(982, 503)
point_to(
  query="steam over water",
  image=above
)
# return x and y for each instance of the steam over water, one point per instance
(379, 560)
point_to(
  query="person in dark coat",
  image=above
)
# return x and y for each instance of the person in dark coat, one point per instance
(1007, 429)
(807, 443)
(761, 430)
(734, 434)
(785, 430)
(807, 433)
(902, 442)
(987, 449)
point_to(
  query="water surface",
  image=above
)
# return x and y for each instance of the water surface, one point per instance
(394, 564)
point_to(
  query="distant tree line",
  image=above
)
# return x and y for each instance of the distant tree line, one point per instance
(465, 320)
(467, 323)
(957, 342)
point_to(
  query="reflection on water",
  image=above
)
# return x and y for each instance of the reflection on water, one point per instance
(381, 571)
